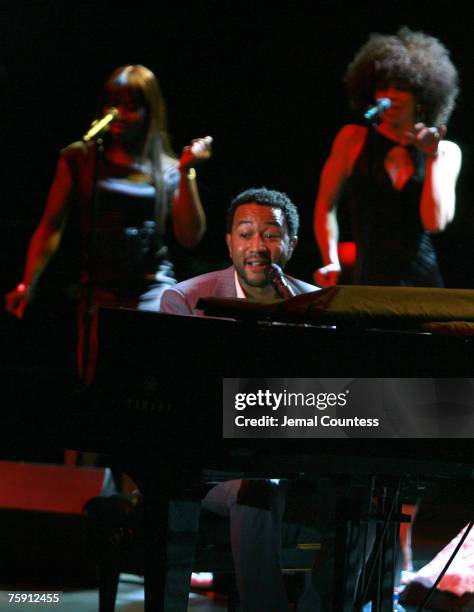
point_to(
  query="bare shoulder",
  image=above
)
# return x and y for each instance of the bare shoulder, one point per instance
(347, 146)
(450, 154)
(349, 141)
(350, 135)
(447, 147)
(77, 155)
(77, 148)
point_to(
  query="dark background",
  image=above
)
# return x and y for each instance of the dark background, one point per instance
(264, 79)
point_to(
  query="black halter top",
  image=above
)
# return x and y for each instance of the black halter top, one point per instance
(392, 246)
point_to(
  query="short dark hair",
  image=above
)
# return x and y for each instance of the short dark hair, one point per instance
(266, 197)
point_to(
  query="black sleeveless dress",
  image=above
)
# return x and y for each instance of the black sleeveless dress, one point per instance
(130, 260)
(392, 246)
(131, 256)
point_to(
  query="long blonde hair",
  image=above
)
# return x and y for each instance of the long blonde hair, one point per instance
(144, 84)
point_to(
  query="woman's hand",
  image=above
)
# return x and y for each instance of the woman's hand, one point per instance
(17, 300)
(426, 139)
(327, 276)
(198, 151)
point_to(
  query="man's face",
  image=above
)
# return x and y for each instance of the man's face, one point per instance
(259, 237)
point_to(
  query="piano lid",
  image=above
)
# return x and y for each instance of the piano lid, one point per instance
(398, 307)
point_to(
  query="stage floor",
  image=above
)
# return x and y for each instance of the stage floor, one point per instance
(129, 599)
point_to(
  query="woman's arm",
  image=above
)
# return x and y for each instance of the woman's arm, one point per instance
(443, 164)
(188, 216)
(44, 241)
(438, 197)
(336, 170)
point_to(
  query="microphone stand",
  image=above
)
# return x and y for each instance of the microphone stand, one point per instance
(95, 132)
(371, 160)
(90, 264)
(371, 119)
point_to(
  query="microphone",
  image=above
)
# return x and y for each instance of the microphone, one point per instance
(275, 276)
(376, 111)
(100, 125)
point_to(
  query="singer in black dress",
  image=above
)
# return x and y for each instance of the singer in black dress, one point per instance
(399, 174)
(140, 185)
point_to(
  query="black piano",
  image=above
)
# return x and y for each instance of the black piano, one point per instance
(155, 405)
(166, 372)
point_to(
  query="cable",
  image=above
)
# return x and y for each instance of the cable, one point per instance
(445, 568)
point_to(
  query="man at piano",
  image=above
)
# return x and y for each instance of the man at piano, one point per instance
(262, 230)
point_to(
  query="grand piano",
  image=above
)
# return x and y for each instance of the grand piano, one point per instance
(166, 373)
(155, 406)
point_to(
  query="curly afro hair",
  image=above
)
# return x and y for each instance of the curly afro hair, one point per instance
(410, 60)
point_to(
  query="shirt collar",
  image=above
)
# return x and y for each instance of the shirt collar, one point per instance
(238, 286)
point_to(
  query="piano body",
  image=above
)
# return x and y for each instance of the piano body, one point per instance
(155, 406)
(165, 373)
